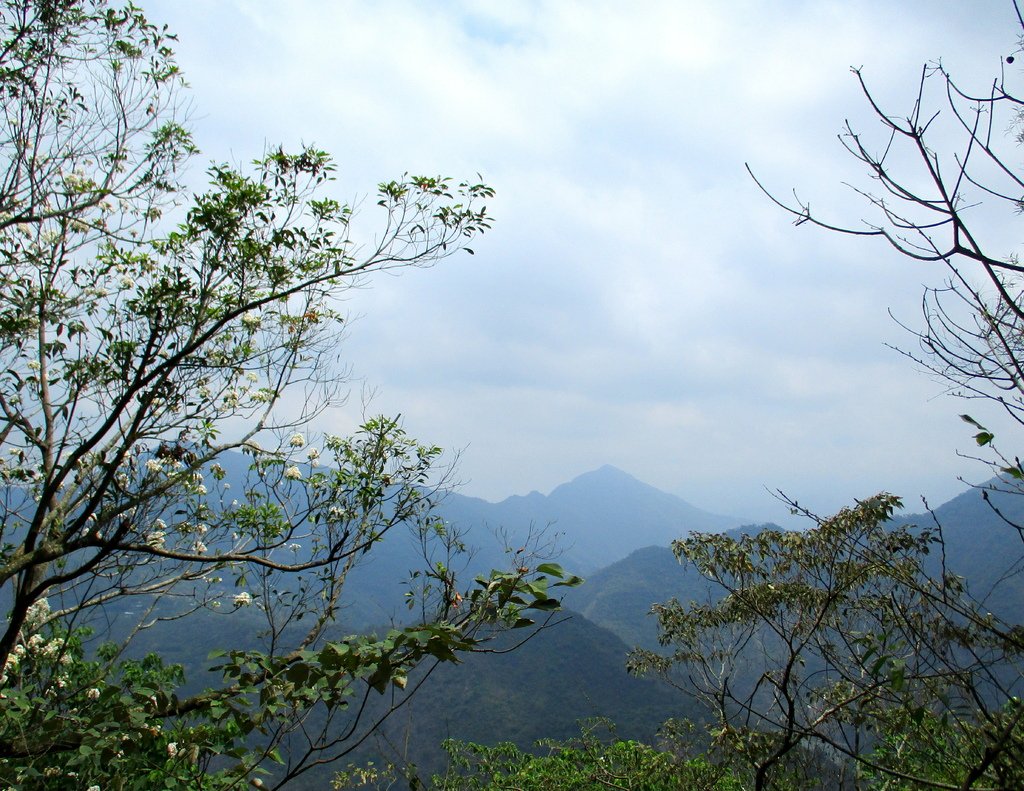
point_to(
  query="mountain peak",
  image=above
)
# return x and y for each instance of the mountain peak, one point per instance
(603, 474)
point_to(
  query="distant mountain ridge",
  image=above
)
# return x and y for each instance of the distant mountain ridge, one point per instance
(601, 516)
(980, 544)
(617, 532)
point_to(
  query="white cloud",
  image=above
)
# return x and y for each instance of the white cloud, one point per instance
(639, 302)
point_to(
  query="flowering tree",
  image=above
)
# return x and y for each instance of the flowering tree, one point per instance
(137, 366)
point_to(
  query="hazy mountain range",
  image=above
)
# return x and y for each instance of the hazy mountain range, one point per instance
(598, 517)
(616, 531)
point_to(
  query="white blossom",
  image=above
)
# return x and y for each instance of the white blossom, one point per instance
(199, 547)
(297, 440)
(93, 694)
(154, 465)
(242, 599)
(37, 613)
(52, 649)
(251, 320)
(293, 473)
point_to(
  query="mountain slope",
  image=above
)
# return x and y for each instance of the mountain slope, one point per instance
(598, 517)
(569, 672)
(980, 544)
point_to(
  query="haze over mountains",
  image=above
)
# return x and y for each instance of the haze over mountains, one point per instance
(616, 531)
(577, 668)
(599, 517)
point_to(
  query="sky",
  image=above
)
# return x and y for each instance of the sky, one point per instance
(639, 302)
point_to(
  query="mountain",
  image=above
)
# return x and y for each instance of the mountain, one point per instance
(619, 597)
(541, 690)
(619, 530)
(598, 517)
(981, 543)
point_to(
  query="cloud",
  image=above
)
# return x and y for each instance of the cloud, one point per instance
(639, 301)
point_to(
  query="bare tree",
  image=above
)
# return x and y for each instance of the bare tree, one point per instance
(946, 182)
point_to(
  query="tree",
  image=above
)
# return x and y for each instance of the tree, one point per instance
(947, 182)
(845, 637)
(589, 762)
(137, 359)
(837, 643)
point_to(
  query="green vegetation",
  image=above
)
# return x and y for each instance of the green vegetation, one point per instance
(136, 355)
(838, 639)
(585, 763)
(157, 476)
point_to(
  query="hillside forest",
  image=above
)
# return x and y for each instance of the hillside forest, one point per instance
(205, 587)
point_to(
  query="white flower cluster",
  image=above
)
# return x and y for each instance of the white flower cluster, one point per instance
(37, 646)
(243, 599)
(263, 396)
(13, 662)
(37, 614)
(158, 537)
(293, 473)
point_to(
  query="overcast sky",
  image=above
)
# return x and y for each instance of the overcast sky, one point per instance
(639, 302)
